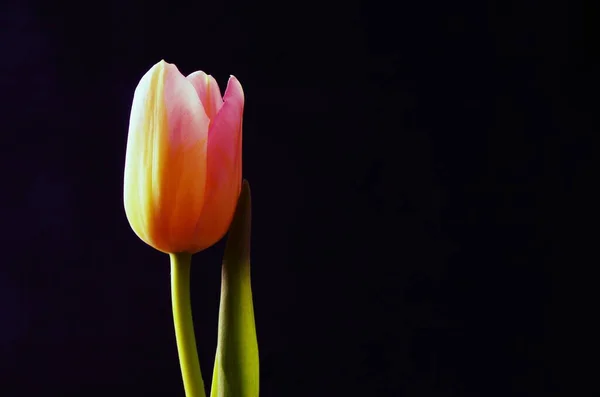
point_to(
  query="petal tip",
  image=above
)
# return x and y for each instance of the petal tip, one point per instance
(197, 73)
(162, 64)
(234, 88)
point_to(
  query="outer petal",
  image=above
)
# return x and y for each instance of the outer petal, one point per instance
(208, 90)
(136, 180)
(165, 164)
(223, 181)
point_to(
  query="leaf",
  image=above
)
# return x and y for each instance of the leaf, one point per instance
(236, 371)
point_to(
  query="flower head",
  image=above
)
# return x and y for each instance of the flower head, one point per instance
(183, 166)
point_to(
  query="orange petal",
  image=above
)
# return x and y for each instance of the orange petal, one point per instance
(224, 177)
(208, 90)
(165, 166)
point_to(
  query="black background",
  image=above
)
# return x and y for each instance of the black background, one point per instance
(414, 168)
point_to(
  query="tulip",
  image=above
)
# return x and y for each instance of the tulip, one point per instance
(183, 163)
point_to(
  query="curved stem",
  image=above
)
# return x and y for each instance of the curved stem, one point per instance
(184, 326)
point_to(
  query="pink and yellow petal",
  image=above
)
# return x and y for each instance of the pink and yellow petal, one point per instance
(165, 173)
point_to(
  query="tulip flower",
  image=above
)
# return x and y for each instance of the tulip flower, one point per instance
(183, 165)
(183, 170)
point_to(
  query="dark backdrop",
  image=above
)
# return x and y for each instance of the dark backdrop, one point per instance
(413, 168)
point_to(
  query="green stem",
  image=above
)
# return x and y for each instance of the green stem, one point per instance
(184, 326)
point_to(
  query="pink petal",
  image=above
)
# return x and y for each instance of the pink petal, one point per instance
(224, 167)
(182, 163)
(208, 90)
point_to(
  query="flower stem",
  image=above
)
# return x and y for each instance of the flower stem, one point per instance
(184, 326)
